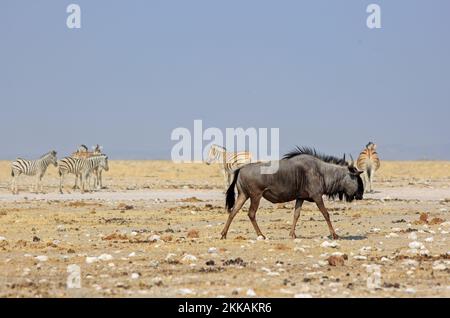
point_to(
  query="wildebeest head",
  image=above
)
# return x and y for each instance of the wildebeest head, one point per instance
(353, 185)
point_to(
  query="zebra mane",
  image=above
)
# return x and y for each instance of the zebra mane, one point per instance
(219, 147)
(298, 151)
(50, 153)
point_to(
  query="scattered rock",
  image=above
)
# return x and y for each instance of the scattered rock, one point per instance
(436, 221)
(251, 293)
(105, 257)
(188, 258)
(90, 260)
(154, 238)
(212, 250)
(167, 238)
(336, 261)
(115, 237)
(193, 234)
(123, 206)
(135, 276)
(416, 245)
(235, 262)
(186, 291)
(42, 258)
(440, 265)
(329, 244)
(374, 276)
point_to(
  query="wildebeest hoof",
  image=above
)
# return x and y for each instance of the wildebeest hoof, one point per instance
(335, 236)
(261, 237)
(224, 237)
(293, 236)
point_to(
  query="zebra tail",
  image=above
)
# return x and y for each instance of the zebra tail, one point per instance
(230, 198)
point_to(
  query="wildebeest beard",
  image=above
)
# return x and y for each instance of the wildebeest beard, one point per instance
(334, 191)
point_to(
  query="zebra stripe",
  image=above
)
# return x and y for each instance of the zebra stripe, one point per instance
(83, 153)
(81, 168)
(369, 162)
(32, 168)
(231, 161)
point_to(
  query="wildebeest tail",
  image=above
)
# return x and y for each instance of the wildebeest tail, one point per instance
(231, 199)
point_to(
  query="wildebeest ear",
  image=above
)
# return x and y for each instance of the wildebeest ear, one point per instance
(353, 170)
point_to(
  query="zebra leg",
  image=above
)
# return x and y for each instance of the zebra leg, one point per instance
(365, 181)
(14, 185)
(36, 185)
(76, 183)
(371, 180)
(41, 186)
(99, 180)
(82, 182)
(225, 177)
(61, 177)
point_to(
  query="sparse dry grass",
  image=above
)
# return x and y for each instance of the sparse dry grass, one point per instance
(67, 231)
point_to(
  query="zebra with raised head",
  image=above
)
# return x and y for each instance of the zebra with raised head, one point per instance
(230, 161)
(81, 168)
(369, 162)
(32, 168)
(84, 153)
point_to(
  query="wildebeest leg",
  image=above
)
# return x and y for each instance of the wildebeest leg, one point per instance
(238, 205)
(323, 209)
(254, 204)
(297, 209)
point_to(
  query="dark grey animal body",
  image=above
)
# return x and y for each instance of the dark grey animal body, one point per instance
(302, 175)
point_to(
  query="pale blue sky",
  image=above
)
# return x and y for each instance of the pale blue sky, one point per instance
(138, 69)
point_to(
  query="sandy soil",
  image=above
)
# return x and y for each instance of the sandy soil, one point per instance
(154, 232)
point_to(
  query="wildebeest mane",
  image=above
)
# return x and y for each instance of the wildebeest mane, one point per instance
(298, 151)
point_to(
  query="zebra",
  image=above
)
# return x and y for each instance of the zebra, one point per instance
(230, 161)
(81, 168)
(369, 162)
(32, 168)
(83, 153)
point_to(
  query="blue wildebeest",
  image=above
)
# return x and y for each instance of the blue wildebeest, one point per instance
(302, 174)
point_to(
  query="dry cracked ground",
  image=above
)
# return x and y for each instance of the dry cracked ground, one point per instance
(154, 232)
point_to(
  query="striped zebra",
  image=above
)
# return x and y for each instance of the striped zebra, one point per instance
(369, 162)
(32, 168)
(81, 168)
(83, 153)
(230, 161)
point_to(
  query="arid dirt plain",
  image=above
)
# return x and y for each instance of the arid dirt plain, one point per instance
(155, 232)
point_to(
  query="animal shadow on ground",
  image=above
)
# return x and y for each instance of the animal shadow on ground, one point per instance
(341, 237)
(353, 237)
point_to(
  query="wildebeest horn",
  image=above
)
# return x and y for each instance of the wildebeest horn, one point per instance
(353, 161)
